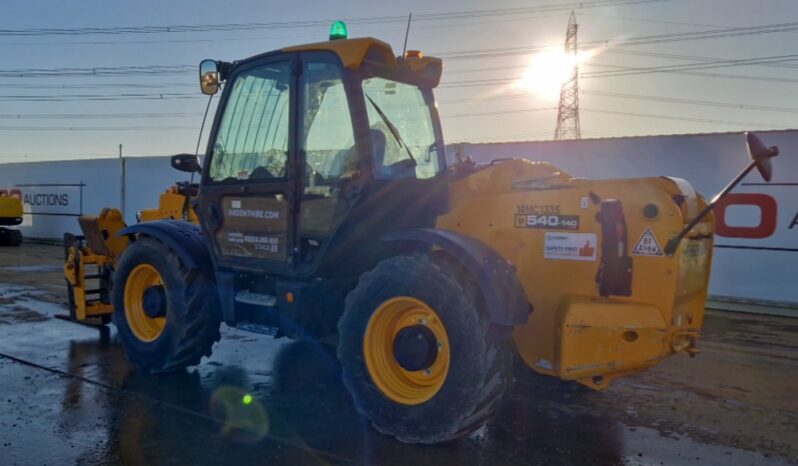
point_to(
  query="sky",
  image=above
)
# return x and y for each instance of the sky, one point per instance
(69, 92)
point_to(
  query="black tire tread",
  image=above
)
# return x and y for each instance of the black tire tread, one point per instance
(201, 327)
(472, 413)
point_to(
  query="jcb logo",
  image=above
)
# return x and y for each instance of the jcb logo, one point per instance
(764, 228)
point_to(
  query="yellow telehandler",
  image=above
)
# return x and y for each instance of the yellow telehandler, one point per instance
(326, 207)
(10, 215)
(90, 258)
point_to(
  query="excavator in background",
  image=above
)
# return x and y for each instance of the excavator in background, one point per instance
(10, 215)
(326, 209)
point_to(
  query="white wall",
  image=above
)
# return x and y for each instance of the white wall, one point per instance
(46, 184)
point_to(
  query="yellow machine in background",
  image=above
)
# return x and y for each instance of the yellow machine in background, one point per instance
(10, 215)
(92, 256)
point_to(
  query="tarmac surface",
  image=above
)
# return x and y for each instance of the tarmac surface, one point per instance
(68, 396)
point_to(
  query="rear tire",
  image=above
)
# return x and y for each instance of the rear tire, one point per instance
(479, 360)
(191, 323)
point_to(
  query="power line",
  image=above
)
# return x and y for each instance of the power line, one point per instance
(96, 97)
(643, 115)
(693, 66)
(75, 116)
(473, 53)
(109, 154)
(98, 85)
(96, 128)
(703, 103)
(279, 25)
(141, 71)
(676, 100)
(672, 56)
(758, 124)
(710, 75)
(628, 71)
(498, 112)
(638, 40)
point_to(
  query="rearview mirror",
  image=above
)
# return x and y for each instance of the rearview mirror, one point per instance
(209, 77)
(186, 163)
(760, 158)
(761, 155)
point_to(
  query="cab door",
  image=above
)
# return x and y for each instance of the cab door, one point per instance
(248, 194)
(330, 157)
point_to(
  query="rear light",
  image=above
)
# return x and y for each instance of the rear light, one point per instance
(614, 276)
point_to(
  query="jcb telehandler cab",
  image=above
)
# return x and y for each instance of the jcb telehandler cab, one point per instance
(326, 208)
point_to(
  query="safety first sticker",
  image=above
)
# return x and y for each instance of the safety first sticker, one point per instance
(570, 246)
(647, 245)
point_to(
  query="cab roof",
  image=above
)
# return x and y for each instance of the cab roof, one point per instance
(352, 52)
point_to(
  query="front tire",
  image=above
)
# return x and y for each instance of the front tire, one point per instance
(419, 354)
(166, 314)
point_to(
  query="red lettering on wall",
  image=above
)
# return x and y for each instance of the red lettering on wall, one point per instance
(11, 192)
(767, 219)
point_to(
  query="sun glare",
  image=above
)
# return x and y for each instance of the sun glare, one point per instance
(548, 70)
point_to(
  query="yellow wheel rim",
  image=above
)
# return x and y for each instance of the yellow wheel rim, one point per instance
(398, 384)
(145, 328)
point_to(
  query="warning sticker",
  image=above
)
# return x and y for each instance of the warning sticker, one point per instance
(647, 245)
(570, 246)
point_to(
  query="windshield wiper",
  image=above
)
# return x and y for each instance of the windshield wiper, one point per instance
(392, 129)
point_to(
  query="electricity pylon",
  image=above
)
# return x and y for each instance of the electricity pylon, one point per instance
(568, 110)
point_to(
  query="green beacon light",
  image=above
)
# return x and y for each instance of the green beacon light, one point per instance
(338, 31)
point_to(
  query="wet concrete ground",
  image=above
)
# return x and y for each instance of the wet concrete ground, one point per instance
(68, 396)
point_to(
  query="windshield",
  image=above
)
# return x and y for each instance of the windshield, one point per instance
(401, 130)
(252, 142)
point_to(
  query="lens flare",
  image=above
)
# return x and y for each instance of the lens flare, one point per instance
(244, 418)
(548, 70)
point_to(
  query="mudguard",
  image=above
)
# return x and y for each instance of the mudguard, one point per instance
(496, 277)
(184, 238)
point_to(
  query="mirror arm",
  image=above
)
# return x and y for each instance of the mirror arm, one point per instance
(224, 69)
(673, 243)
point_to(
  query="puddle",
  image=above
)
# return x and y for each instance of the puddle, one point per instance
(648, 447)
(19, 303)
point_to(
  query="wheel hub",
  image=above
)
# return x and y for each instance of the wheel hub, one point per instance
(406, 350)
(154, 301)
(145, 302)
(415, 348)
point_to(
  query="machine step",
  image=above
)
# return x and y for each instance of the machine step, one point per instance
(256, 299)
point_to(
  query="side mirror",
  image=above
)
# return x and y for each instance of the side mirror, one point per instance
(760, 158)
(761, 155)
(209, 77)
(186, 163)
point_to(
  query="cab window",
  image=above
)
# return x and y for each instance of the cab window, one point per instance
(328, 143)
(252, 141)
(400, 129)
